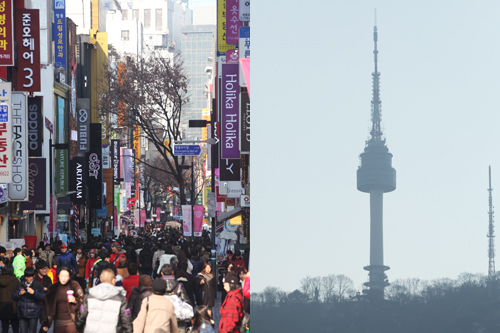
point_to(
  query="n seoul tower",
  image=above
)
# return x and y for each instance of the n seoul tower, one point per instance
(376, 176)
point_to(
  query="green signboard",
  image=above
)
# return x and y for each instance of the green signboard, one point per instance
(61, 171)
(117, 198)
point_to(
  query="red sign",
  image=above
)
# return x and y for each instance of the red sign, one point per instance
(131, 202)
(28, 44)
(6, 33)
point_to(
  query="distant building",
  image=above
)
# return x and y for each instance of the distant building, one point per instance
(204, 11)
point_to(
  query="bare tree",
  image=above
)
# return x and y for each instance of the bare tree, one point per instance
(151, 94)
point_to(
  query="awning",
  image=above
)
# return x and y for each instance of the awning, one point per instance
(227, 215)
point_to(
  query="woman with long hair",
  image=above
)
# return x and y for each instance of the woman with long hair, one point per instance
(206, 281)
(182, 256)
(201, 321)
(62, 303)
(89, 266)
(81, 260)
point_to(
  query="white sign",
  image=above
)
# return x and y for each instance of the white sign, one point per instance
(186, 219)
(245, 201)
(5, 133)
(244, 49)
(18, 188)
(106, 160)
(4, 193)
(234, 189)
(244, 10)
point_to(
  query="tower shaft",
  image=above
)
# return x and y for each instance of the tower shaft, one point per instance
(491, 234)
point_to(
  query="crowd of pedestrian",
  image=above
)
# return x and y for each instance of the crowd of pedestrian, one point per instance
(157, 282)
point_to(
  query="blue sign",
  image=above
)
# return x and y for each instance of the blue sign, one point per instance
(59, 33)
(102, 212)
(4, 114)
(187, 150)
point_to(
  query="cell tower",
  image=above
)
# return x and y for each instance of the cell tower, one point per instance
(376, 176)
(491, 236)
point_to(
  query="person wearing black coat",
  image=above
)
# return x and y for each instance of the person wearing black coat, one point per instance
(146, 260)
(197, 262)
(138, 294)
(28, 295)
(206, 281)
(131, 254)
(8, 308)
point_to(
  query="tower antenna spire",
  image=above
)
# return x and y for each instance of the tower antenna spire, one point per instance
(491, 234)
(376, 131)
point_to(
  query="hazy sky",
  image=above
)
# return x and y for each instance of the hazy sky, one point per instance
(311, 90)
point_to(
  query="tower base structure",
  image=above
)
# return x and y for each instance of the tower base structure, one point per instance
(377, 280)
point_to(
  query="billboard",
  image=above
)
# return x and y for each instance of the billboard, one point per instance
(28, 42)
(222, 45)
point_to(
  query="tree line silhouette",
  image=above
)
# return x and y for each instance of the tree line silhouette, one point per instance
(466, 304)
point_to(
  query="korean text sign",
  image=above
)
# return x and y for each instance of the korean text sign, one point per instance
(28, 41)
(5, 133)
(6, 33)
(59, 33)
(233, 22)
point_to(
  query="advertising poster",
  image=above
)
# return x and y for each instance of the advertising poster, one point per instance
(186, 220)
(199, 211)
(36, 185)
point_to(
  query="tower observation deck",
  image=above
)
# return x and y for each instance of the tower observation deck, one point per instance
(376, 176)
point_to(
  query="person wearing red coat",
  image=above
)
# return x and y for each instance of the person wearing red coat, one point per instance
(231, 311)
(89, 266)
(132, 280)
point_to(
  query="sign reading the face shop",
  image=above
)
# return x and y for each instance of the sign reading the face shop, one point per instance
(18, 188)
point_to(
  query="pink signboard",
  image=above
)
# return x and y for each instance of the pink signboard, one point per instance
(232, 57)
(186, 218)
(199, 211)
(143, 217)
(233, 22)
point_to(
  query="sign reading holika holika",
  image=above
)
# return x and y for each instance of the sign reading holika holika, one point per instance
(230, 112)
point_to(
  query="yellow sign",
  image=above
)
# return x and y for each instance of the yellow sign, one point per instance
(98, 80)
(235, 220)
(221, 27)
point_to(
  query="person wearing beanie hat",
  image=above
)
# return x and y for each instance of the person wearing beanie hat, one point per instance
(157, 312)
(231, 311)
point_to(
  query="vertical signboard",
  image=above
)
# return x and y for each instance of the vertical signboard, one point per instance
(128, 165)
(106, 162)
(28, 42)
(36, 185)
(244, 123)
(82, 124)
(222, 45)
(115, 160)
(6, 33)
(59, 33)
(230, 169)
(35, 126)
(244, 10)
(230, 112)
(61, 122)
(233, 23)
(98, 81)
(61, 171)
(116, 197)
(94, 167)
(244, 50)
(18, 188)
(187, 221)
(78, 180)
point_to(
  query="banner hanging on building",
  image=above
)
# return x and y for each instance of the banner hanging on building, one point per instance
(59, 33)
(244, 50)
(61, 171)
(186, 220)
(35, 126)
(199, 211)
(28, 49)
(7, 33)
(230, 112)
(222, 46)
(94, 167)
(128, 167)
(18, 188)
(36, 185)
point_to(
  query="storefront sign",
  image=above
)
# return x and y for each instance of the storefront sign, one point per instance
(233, 22)
(244, 50)
(5, 132)
(78, 180)
(230, 170)
(59, 33)
(6, 33)
(106, 162)
(244, 10)
(18, 188)
(83, 124)
(230, 112)
(36, 185)
(61, 171)
(94, 167)
(244, 123)
(115, 160)
(35, 126)
(222, 46)
(28, 42)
